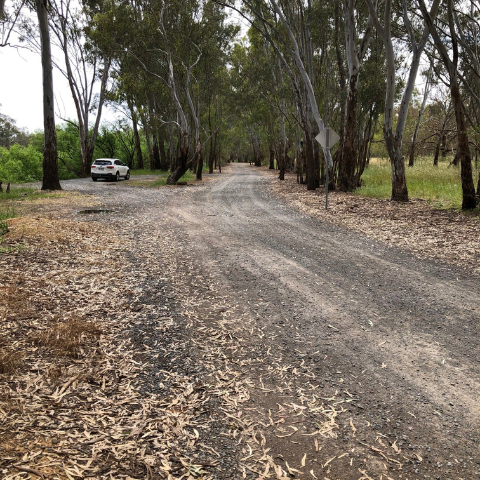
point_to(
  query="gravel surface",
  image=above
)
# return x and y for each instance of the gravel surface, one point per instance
(341, 357)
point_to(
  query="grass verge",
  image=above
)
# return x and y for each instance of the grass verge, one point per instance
(439, 185)
(148, 172)
(188, 177)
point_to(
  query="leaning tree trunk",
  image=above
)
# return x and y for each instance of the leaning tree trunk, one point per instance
(50, 155)
(182, 163)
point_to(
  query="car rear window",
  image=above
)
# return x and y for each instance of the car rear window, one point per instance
(102, 162)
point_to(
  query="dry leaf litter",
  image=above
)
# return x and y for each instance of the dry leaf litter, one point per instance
(419, 227)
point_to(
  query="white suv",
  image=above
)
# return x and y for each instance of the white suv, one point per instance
(109, 168)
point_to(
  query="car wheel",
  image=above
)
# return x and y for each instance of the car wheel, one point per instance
(117, 177)
(127, 176)
(94, 179)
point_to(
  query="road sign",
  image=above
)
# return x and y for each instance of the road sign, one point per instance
(333, 138)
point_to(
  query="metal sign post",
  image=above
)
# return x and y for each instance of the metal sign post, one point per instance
(327, 138)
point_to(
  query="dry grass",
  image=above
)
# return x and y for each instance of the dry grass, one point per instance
(68, 338)
(9, 361)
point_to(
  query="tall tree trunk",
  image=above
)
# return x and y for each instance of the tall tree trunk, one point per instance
(156, 151)
(50, 155)
(200, 166)
(138, 144)
(463, 150)
(437, 150)
(348, 159)
(399, 183)
(272, 157)
(146, 131)
(309, 158)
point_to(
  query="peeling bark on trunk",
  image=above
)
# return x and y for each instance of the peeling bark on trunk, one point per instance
(50, 155)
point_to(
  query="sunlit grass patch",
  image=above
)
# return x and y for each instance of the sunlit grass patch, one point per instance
(440, 185)
(22, 193)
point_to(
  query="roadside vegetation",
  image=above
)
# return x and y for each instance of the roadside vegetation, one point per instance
(439, 184)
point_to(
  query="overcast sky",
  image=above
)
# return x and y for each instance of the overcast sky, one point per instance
(21, 96)
(21, 89)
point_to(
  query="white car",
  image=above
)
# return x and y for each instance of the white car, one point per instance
(109, 168)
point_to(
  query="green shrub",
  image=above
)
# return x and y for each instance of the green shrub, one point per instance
(20, 164)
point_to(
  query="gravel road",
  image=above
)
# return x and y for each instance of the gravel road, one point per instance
(336, 312)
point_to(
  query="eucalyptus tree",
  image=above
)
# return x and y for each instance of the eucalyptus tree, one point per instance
(426, 93)
(258, 92)
(50, 154)
(171, 40)
(450, 58)
(40, 42)
(9, 20)
(356, 50)
(393, 140)
(85, 68)
(285, 28)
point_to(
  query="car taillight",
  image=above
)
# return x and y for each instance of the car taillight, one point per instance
(93, 166)
(111, 166)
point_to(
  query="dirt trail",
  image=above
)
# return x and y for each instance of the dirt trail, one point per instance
(350, 359)
(399, 333)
